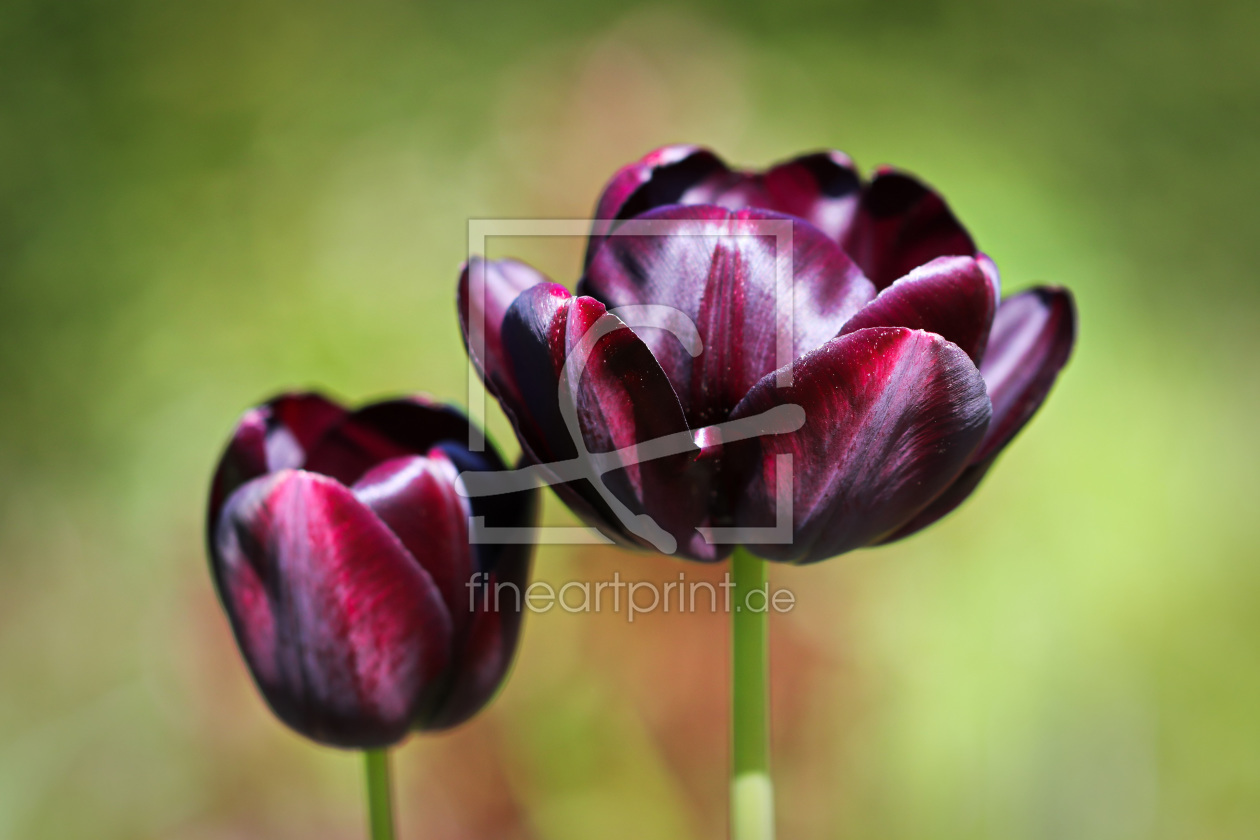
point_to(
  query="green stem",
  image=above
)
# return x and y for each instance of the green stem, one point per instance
(380, 804)
(752, 793)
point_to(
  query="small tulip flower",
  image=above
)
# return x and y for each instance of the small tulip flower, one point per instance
(908, 372)
(340, 548)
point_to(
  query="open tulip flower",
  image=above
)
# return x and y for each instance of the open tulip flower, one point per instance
(910, 370)
(340, 549)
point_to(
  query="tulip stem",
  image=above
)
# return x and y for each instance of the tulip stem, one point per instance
(752, 792)
(380, 800)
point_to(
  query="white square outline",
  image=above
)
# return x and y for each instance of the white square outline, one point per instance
(480, 230)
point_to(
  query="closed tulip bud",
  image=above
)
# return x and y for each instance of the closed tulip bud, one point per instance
(340, 549)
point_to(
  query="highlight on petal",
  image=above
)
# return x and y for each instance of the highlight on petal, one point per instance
(416, 498)
(722, 270)
(273, 436)
(822, 188)
(900, 225)
(950, 296)
(344, 632)
(1032, 339)
(486, 290)
(892, 417)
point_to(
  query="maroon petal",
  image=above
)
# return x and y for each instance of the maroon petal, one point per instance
(892, 416)
(900, 225)
(822, 188)
(307, 417)
(950, 296)
(1032, 339)
(494, 604)
(719, 268)
(620, 400)
(381, 431)
(416, 497)
(344, 632)
(670, 175)
(486, 290)
(273, 436)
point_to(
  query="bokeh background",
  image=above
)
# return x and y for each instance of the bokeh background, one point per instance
(203, 203)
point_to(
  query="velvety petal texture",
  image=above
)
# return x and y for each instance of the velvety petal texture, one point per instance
(340, 548)
(892, 417)
(728, 319)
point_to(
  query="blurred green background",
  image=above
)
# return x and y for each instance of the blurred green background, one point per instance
(202, 203)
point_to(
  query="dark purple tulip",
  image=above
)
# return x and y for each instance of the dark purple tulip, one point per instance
(340, 550)
(911, 375)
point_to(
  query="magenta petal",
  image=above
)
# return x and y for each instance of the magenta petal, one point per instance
(344, 632)
(1032, 339)
(950, 296)
(900, 225)
(416, 498)
(622, 399)
(718, 267)
(502, 281)
(892, 417)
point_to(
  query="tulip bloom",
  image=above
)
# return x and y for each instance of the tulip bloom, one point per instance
(912, 372)
(340, 550)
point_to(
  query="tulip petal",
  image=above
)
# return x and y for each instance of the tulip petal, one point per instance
(900, 225)
(892, 416)
(273, 436)
(502, 281)
(950, 296)
(888, 227)
(345, 633)
(719, 268)
(620, 400)
(677, 174)
(381, 431)
(1032, 339)
(822, 188)
(495, 606)
(416, 498)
